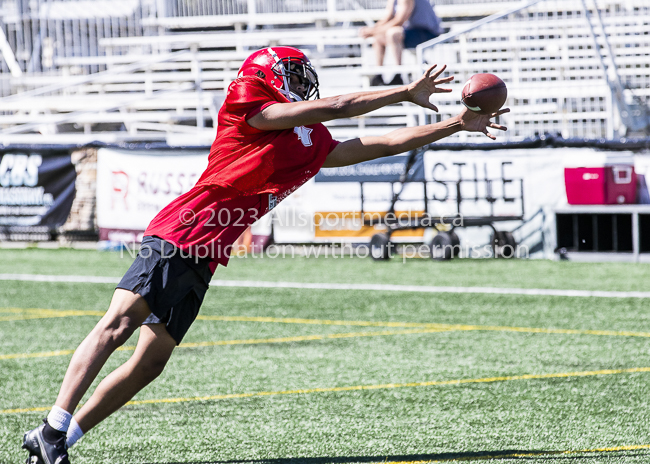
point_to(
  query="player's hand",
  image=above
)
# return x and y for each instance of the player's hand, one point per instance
(474, 122)
(419, 91)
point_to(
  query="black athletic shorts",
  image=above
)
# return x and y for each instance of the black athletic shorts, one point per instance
(414, 37)
(172, 285)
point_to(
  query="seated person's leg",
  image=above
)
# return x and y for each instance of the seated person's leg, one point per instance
(395, 37)
(379, 47)
(414, 37)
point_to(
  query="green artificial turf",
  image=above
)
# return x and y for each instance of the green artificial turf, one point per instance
(490, 415)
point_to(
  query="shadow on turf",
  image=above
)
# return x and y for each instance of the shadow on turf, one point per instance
(522, 455)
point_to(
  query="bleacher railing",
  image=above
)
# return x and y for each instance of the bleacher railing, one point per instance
(39, 31)
(544, 50)
(230, 7)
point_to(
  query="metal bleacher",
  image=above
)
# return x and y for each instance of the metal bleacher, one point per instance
(153, 70)
(551, 61)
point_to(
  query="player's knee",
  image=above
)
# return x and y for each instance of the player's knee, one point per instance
(152, 368)
(117, 332)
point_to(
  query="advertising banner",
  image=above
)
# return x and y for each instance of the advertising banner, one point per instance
(379, 170)
(36, 190)
(133, 186)
(344, 204)
(489, 186)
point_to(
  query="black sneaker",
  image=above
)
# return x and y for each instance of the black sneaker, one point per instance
(377, 81)
(42, 451)
(397, 80)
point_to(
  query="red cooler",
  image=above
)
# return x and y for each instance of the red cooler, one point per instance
(600, 179)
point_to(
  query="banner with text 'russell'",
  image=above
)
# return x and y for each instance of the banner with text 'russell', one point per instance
(132, 186)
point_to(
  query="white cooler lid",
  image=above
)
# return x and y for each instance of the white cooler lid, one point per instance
(598, 160)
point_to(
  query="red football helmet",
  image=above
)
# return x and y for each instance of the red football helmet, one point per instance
(276, 64)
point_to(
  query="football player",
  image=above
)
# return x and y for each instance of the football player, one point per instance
(270, 140)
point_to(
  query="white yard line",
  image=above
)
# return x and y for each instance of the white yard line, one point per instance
(334, 286)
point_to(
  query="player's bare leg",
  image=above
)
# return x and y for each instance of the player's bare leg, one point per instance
(125, 314)
(152, 352)
(127, 311)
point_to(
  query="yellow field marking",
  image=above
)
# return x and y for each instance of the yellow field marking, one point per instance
(444, 327)
(296, 320)
(37, 313)
(523, 455)
(616, 333)
(252, 341)
(47, 313)
(18, 411)
(393, 385)
(49, 354)
(369, 387)
(23, 318)
(302, 338)
(46, 354)
(423, 328)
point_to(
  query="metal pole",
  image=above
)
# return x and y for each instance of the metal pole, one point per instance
(252, 13)
(523, 205)
(611, 73)
(331, 11)
(9, 56)
(635, 235)
(362, 202)
(426, 198)
(196, 70)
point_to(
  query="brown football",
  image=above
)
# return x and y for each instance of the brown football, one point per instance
(484, 93)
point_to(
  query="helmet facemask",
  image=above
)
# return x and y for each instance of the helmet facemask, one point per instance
(304, 71)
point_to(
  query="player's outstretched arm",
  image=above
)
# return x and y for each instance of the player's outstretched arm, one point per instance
(402, 140)
(289, 115)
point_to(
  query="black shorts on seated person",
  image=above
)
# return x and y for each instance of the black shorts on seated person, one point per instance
(414, 37)
(172, 285)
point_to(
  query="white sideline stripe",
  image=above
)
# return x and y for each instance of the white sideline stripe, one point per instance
(429, 289)
(333, 286)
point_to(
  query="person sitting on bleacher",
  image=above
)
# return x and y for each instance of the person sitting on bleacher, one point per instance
(407, 24)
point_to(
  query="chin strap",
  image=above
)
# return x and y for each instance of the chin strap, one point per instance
(285, 90)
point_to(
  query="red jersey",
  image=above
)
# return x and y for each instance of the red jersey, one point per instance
(249, 170)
